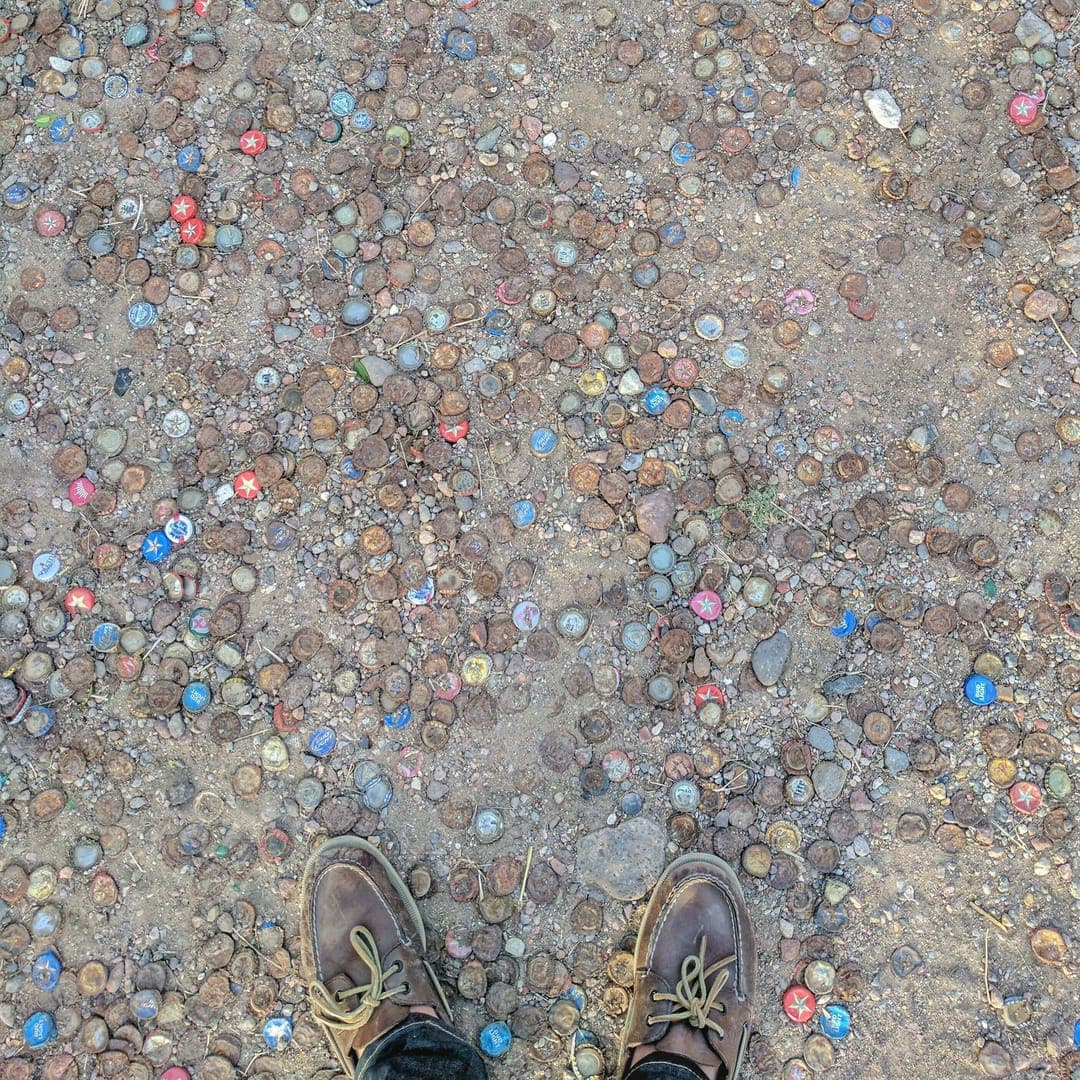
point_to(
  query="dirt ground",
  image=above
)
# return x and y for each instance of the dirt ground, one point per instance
(819, 356)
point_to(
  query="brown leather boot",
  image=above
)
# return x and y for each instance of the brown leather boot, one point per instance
(694, 968)
(362, 944)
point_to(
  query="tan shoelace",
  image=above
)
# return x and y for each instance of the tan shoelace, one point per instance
(330, 1008)
(694, 999)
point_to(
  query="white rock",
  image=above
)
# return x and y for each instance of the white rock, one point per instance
(1067, 252)
(883, 108)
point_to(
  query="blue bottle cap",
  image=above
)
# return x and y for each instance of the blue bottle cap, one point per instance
(736, 356)
(278, 1032)
(342, 103)
(321, 741)
(682, 153)
(495, 1039)
(661, 558)
(835, 1021)
(846, 626)
(979, 690)
(631, 803)
(422, 594)
(543, 441)
(39, 720)
(882, 25)
(399, 719)
(635, 637)
(461, 44)
(746, 99)
(39, 1030)
(105, 636)
(116, 86)
(46, 566)
(145, 1004)
(142, 315)
(497, 322)
(672, 233)
(576, 995)
(228, 239)
(189, 158)
(362, 120)
(156, 546)
(179, 529)
(45, 971)
(16, 196)
(522, 513)
(196, 697)
(349, 469)
(730, 419)
(656, 400)
(61, 130)
(657, 589)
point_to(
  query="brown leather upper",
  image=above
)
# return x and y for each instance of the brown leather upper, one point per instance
(696, 920)
(347, 888)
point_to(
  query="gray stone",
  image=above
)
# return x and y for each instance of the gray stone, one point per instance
(624, 861)
(828, 777)
(896, 761)
(849, 730)
(842, 685)
(820, 738)
(654, 513)
(283, 334)
(1030, 30)
(769, 658)
(378, 368)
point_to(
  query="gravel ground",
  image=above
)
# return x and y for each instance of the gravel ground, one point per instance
(543, 442)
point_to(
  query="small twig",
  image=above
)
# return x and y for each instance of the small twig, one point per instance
(426, 199)
(525, 876)
(1068, 343)
(266, 649)
(252, 734)
(988, 917)
(986, 964)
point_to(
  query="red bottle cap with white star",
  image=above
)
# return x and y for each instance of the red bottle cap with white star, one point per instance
(706, 605)
(799, 1004)
(183, 208)
(49, 222)
(193, 231)
(78, 601)
(1025, 797)
(252, 143)
(247, 485)
(454, 431)
(708, 692)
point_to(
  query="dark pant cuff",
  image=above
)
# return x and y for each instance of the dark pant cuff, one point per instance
(663, 1066)
(421, 1048)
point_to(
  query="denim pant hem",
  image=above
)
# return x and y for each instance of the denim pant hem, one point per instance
(661, 1066)
(421, 1048)
(424, 1048)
